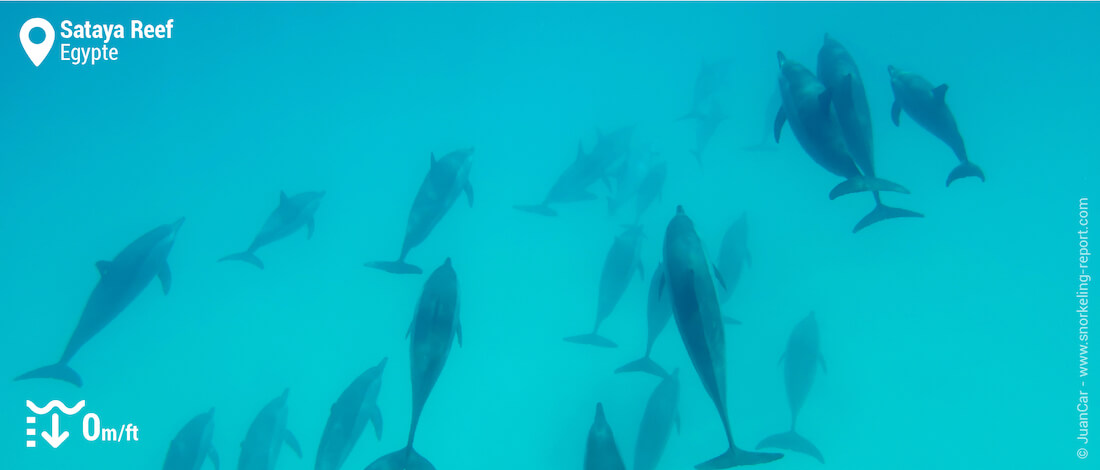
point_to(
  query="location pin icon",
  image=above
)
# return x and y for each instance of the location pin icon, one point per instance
(37, 52)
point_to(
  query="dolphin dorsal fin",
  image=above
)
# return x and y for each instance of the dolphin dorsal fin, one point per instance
(103, 266)
(282, 198)
(940, 92)
(432, 155)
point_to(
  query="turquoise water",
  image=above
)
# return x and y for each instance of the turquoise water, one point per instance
(951, 341)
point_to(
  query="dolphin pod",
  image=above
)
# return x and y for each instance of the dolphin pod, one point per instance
(800, 361)
(928, 106)
(120, 282)
(292, 214)
(350, 414)
(192, 446)
(573, 185)
(699, 320)
(447, 178)
(433, 331)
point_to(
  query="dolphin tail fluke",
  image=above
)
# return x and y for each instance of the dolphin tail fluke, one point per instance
(54, 371)
(882, 212)
(540, 209)
(592, 339)
(404, 459)
(245, 256)
(791, 441)
(395, 267)
(644, 364)
(864, 183)
(964, 170)
(738, 457)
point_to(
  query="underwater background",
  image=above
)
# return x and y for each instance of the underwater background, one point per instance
(951, 341)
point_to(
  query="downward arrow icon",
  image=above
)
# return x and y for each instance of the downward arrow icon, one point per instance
(55, 439)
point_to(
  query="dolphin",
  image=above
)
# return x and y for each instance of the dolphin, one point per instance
(800, 362)
(660, 414)
(807, 106)
(446, 179)
(838, 71)
(193, 445)
(433, 330)
(292, 214)
(709, 82)
(708, 125)
(699, 319)
(622, 261)
(734, 255)
(650, 188)
(266, 436)
(927, 106)
(658, 312)
(573, 184)
(120, 282)
(356, 406)
(628, 182)
(601, 452)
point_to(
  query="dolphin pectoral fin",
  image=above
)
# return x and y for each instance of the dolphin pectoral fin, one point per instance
(469, 193)
(247, 257)
(644, 364)
(432, 156)
(540, 209)
(102, 266)
(791, 441)
(394, 267)
(882, 212)
(165, 276)
(292, 442)
(730, 320)
(858, 184)
(780, 119)
(781, 357)
(940, 93)
(376, 419)
(895, 113)
(735, 457)
(309, 229)
(213, 456)
(964, 170)
(54, 371)
(718, 276)
(282, 198)
(409, 331)
(458, 331)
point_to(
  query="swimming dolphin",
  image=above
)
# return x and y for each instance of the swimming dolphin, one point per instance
(193, 445)
(628, 182)
(266, 436)
(601, 452)
(661, 412)
(807, 106)
(927, 106)
(650, 188)
(446, 179)
(588, 168)
(708, 83)
(433, 330)
(800, 362)
(658, 312)
(622, 261)
(733, 255)
(699, 319)
(356, 406)
(120, 282)
(292, 214)
(707, 126)
(838, 71)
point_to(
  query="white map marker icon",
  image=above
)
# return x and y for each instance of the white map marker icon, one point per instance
(37, 52)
